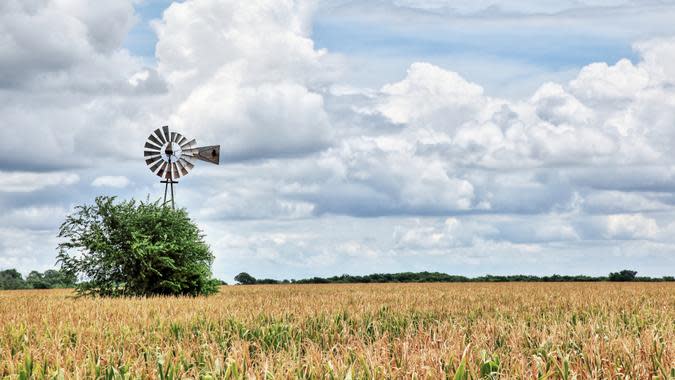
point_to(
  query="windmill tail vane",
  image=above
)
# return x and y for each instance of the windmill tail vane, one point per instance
(170, 155)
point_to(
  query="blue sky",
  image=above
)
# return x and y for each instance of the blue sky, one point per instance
(387, 135)
(141, 39)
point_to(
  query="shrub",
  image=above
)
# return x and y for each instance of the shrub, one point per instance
(135, 249)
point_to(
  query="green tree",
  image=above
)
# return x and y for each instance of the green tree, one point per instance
(50, 279)
(135, 249)
(36, 280)
(11, 279)
(245, 279)
(59, 279)
(624, 275)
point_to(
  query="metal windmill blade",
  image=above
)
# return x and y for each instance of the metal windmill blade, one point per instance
(170, 155)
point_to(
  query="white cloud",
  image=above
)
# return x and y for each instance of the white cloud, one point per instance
(601, 81)
(617, 202)
(657, 57)
(242, 73)
(458, 150)
(357, 249)
(429, 91)
(383, 175)
(66, 92)
(477, 130)
(271, 119)
(26, 249)
(451, 234)
(119, 182)
(21, 182)
(50, 44)
(255, 203)
(36, 218)
(631, 226)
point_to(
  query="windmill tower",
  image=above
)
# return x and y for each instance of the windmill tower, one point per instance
(171, 155)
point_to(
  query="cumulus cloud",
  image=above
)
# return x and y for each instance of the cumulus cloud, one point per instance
(35, 218)
(21, 182)
(70, 92)
(119, 182)
(255, 202)
(244, 73)
(452, 233)
(613, 201)
(269, 120)
(544, 131)
(450, 125)
(49, 45)
(428, 92)
(621, 81)
(452, 149)
(27, 250)
(631, 226)
(376, 176)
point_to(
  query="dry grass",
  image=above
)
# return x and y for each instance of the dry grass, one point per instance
(460, 331)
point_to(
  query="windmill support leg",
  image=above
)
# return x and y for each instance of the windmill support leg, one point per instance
(166, 188)
(173, 206)
(168, 184)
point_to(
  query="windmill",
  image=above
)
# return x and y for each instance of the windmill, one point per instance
(171, 155)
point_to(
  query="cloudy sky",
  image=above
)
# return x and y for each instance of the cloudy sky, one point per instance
(468, 137)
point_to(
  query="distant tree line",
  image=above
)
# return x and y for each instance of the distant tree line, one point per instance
(49, 279)
(11, 279)
(406, 277)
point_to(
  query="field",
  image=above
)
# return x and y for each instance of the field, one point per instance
(457, 331)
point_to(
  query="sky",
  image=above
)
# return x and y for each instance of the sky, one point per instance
(467, 137)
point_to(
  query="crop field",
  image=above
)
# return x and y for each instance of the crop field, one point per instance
(402, 331)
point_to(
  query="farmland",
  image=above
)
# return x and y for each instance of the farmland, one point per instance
(477, 330)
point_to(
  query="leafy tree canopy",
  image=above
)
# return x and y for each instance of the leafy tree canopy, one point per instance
(36, 280)
(11, 279)
(50, 279)
(135, 248)
(624, 275)
(245, 279)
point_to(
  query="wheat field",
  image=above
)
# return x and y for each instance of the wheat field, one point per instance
(382, 331)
